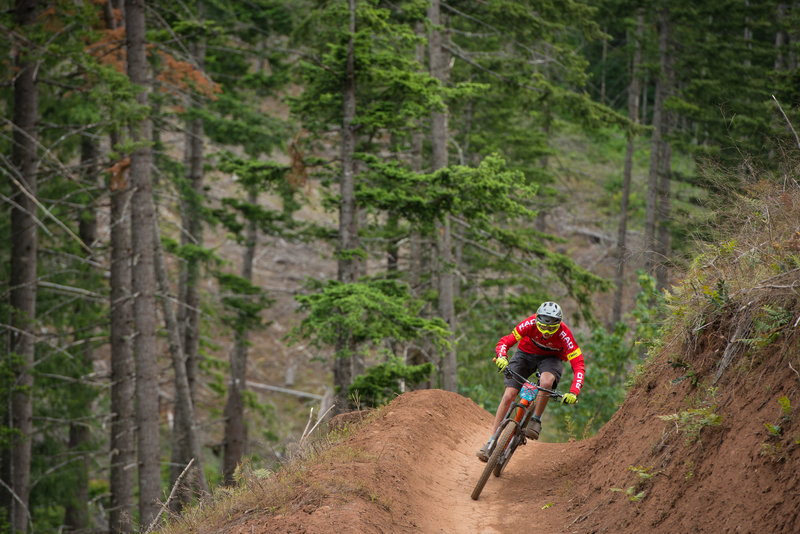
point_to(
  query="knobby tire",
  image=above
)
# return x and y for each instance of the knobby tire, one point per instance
(502, 443)
(500, 466)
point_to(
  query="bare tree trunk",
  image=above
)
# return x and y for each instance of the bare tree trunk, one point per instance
(663, 242)
(603, 62)
(122, 444)
(76, 509)
(439, 70)
(188, 316)
(651, 205)
(235, 438)
(142, 225)
(780, 38)
(16, 465)
(415, 255)
(188, 296)
(186, 423)
(122, 440)
(633, 114)
(346, 365)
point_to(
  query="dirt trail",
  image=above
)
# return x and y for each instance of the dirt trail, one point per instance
(412, 469)
(416, 471)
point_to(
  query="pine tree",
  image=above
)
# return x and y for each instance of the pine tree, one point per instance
(363, 81)
(16, 458)
(143, 272)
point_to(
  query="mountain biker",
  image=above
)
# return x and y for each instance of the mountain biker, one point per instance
(545, 343)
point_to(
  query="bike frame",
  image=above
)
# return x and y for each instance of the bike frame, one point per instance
(518, 415)
(523, 411)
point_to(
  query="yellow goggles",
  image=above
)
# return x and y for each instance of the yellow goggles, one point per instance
(547, 328)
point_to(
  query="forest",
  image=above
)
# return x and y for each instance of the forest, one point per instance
(450, 164)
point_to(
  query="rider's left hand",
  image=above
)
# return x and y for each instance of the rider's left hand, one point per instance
(501, 362)
(569, 398)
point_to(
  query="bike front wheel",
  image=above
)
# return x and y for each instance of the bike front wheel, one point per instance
(500, 447)
(502, 462)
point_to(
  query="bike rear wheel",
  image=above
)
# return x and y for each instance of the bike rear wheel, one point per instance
(500, 447)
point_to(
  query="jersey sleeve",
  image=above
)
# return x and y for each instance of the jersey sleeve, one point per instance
(578, 372)
(575, 358)
(506, 342)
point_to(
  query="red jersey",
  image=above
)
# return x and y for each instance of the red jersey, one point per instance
(561, 344)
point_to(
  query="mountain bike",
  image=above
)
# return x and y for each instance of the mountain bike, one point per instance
(511, 432)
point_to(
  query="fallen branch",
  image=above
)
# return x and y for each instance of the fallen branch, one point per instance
(307, 432)
(787, 121)
(793, 369)
(171, 495)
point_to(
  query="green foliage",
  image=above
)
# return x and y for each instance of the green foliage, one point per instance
(383, 381)
(767, 325)
(786, 407)
(647, 314)
(719, 296)
(368, 312)
(631, 492)
(691, 374)
(608, 357)
(612, 359)
(456, 190)
(244, 299)
(637, 491)
(693, 420)
(774, 430)
(393, 90)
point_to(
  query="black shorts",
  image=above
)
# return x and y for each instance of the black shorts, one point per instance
(526, 364)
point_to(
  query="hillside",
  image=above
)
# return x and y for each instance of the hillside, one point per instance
(411, 467)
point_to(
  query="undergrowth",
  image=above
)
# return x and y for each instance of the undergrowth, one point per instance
(268, 492)
(745, 285)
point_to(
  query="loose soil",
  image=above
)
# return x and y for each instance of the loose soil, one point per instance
(412, 467)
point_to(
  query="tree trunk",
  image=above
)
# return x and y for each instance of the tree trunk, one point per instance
(633, 114)
(439, 70)
(16, 464)
(76, 509)
(122, 444)
(663, 240)
(603, 62)
(185, 420)
(651, 205)
(235, 438)
(188, 296)
(188, 316)
(346, 366)
(122, 441)
(780, 38)
(143, 275)
(415, 255)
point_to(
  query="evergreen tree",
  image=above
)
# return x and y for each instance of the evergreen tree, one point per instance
(18, 415)
(362, 80)
(143, 272)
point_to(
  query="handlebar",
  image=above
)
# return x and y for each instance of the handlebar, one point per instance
(551, 392)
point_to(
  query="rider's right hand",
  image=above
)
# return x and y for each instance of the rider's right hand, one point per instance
(501, 362)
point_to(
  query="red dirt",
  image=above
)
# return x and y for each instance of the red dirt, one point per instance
(417, 467)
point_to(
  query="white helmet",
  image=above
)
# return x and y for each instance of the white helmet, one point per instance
(549, 313)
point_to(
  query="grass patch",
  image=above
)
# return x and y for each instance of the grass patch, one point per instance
(292, 486)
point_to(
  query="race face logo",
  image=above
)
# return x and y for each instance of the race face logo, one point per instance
(579, 380)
